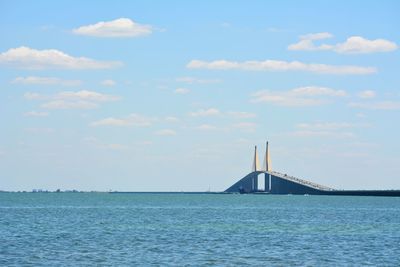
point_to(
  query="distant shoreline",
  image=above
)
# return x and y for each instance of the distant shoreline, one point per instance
(114, 192)
(376, 193)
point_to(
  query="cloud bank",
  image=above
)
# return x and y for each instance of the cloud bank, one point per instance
(122, 27)
(298, 97)
(131, 120)
(353, 44)
(205, 112)
(27, 58)
(279, 65)
(45, 81)
(83, 99)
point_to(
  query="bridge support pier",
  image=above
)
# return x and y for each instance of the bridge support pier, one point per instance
(255, 182)
(267, 182)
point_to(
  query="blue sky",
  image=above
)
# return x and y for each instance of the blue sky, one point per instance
(172, 95)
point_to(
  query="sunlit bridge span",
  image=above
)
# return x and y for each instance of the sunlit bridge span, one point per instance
(283, 184)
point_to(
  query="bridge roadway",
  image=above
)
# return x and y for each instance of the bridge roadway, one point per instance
(283, 184)
(300, 181)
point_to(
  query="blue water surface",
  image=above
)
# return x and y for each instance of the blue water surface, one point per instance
(75, 229)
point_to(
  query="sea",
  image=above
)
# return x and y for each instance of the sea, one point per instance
(177, 229)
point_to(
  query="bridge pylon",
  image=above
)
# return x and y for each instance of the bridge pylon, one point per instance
(256, 162)
(267, 159)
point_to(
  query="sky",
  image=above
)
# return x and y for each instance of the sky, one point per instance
(174, 95)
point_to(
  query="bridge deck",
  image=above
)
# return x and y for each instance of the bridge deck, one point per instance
(301, 181)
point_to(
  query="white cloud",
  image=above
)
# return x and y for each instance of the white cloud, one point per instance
(132, 120)
(205, 112)
(36, 114)
(28, 58)
(165, 132)
(306, 42)
(353, 44)
(279, 65)
(63, 104)
(316, 36)
(360, 45)
(298, 97)
(122, 27)
(181, 91)
(192, 80)
(308, 45)
(380, 105)
(72, 99)
(367, 94)
(46, 81)
(317, 91)
(108, 83)
(76, 95)
(86, 95)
